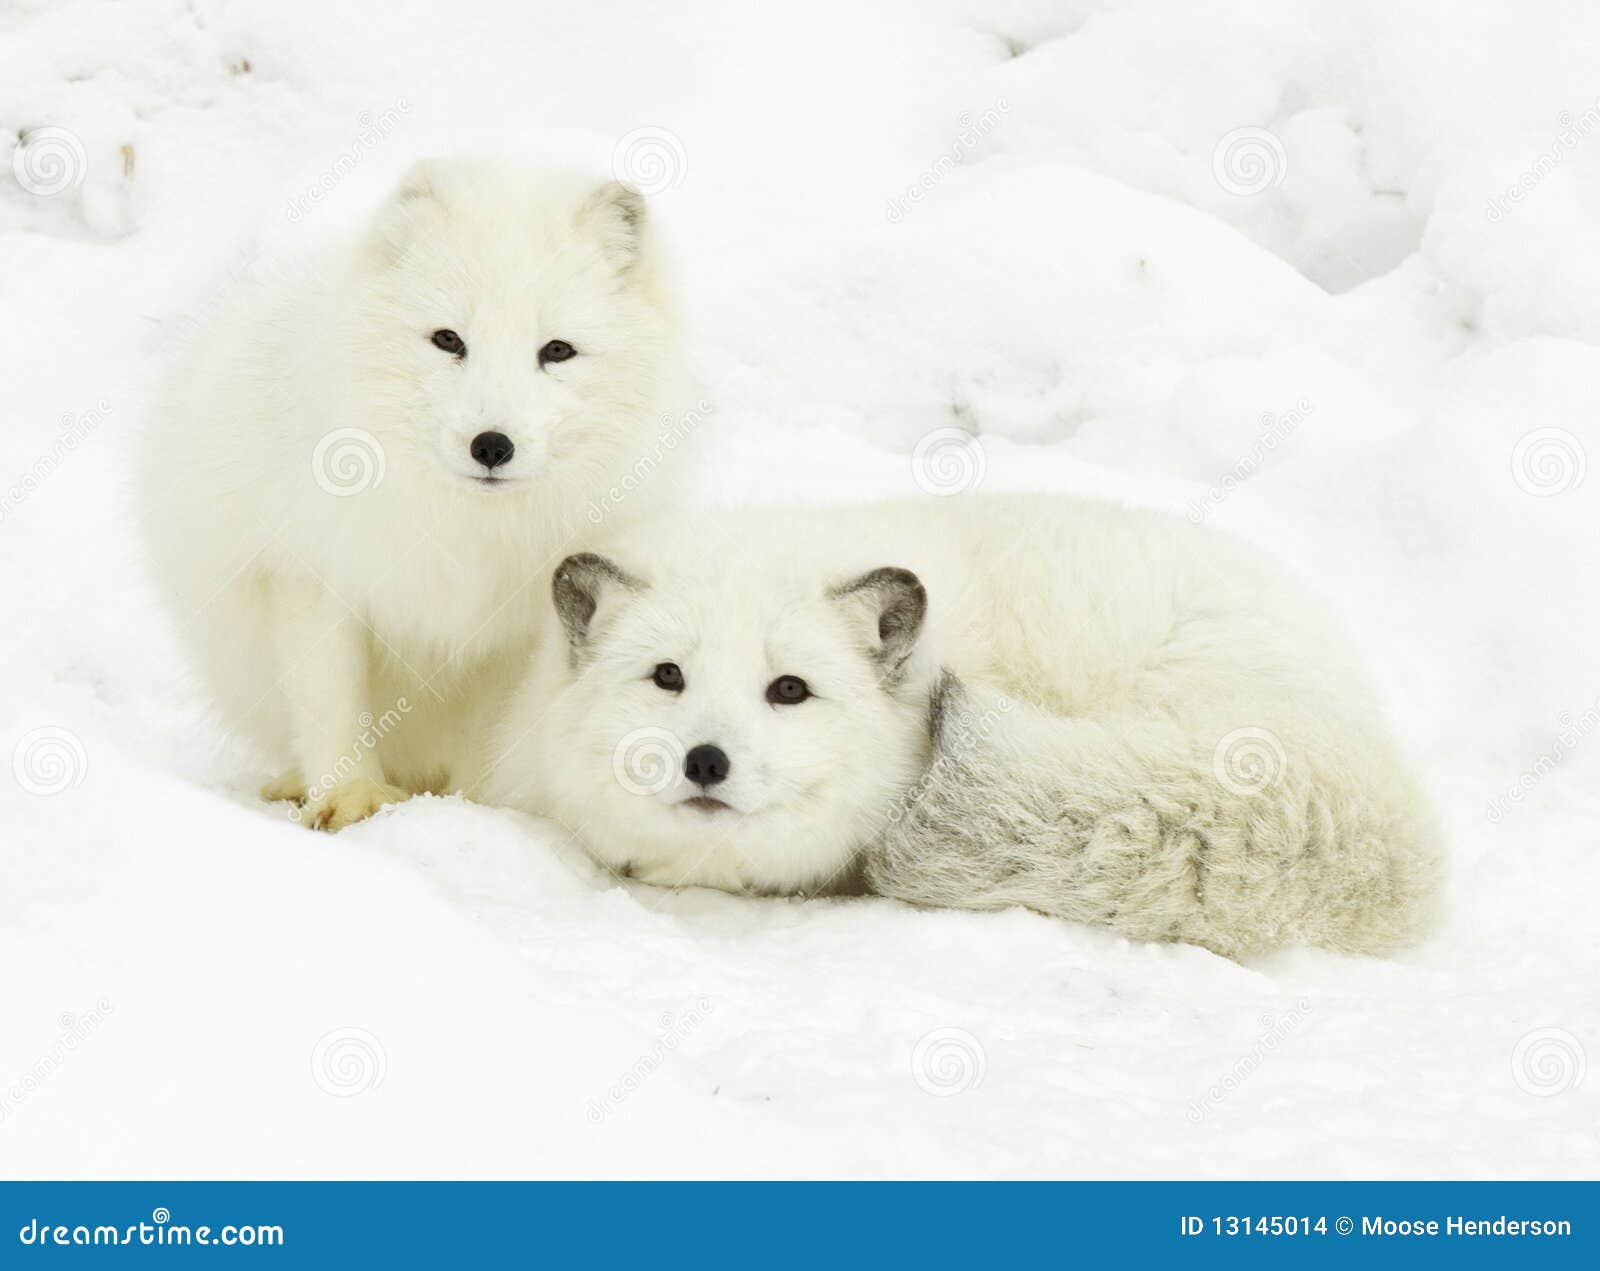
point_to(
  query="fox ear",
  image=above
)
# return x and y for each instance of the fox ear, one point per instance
(419, 201)
(580, 587)
(891, 603)
(616, 215)
(424, 179)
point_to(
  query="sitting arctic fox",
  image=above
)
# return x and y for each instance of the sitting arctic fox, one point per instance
(358, 479)
(1098, 713)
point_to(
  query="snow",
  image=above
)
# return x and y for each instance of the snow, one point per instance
(1323, 274)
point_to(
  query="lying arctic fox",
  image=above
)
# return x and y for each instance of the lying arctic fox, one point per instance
(1098, 713)
(359, 478)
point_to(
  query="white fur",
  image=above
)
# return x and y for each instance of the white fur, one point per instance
(1108, 715)
(592, 742)
(314, 613)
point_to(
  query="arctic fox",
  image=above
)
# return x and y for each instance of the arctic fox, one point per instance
(357, 480)
(1099, 713)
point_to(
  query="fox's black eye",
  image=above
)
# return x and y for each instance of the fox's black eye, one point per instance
(556, 351)
(788, 690)
(450, 342)
(667, 675)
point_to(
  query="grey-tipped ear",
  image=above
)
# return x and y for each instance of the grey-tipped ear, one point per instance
(579, 585)
(895, 604)
(424, 179)
(616, 215)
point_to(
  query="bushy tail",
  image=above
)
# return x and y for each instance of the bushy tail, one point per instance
(1265, 834)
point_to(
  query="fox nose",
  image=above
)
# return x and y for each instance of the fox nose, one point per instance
(492, 449)
(706, 765)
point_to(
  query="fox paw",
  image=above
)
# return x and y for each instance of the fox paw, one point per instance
(351, 801)
(291, 786)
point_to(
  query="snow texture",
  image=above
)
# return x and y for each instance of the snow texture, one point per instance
(1324, 274)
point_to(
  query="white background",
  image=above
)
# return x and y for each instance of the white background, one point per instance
(1393, 272)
